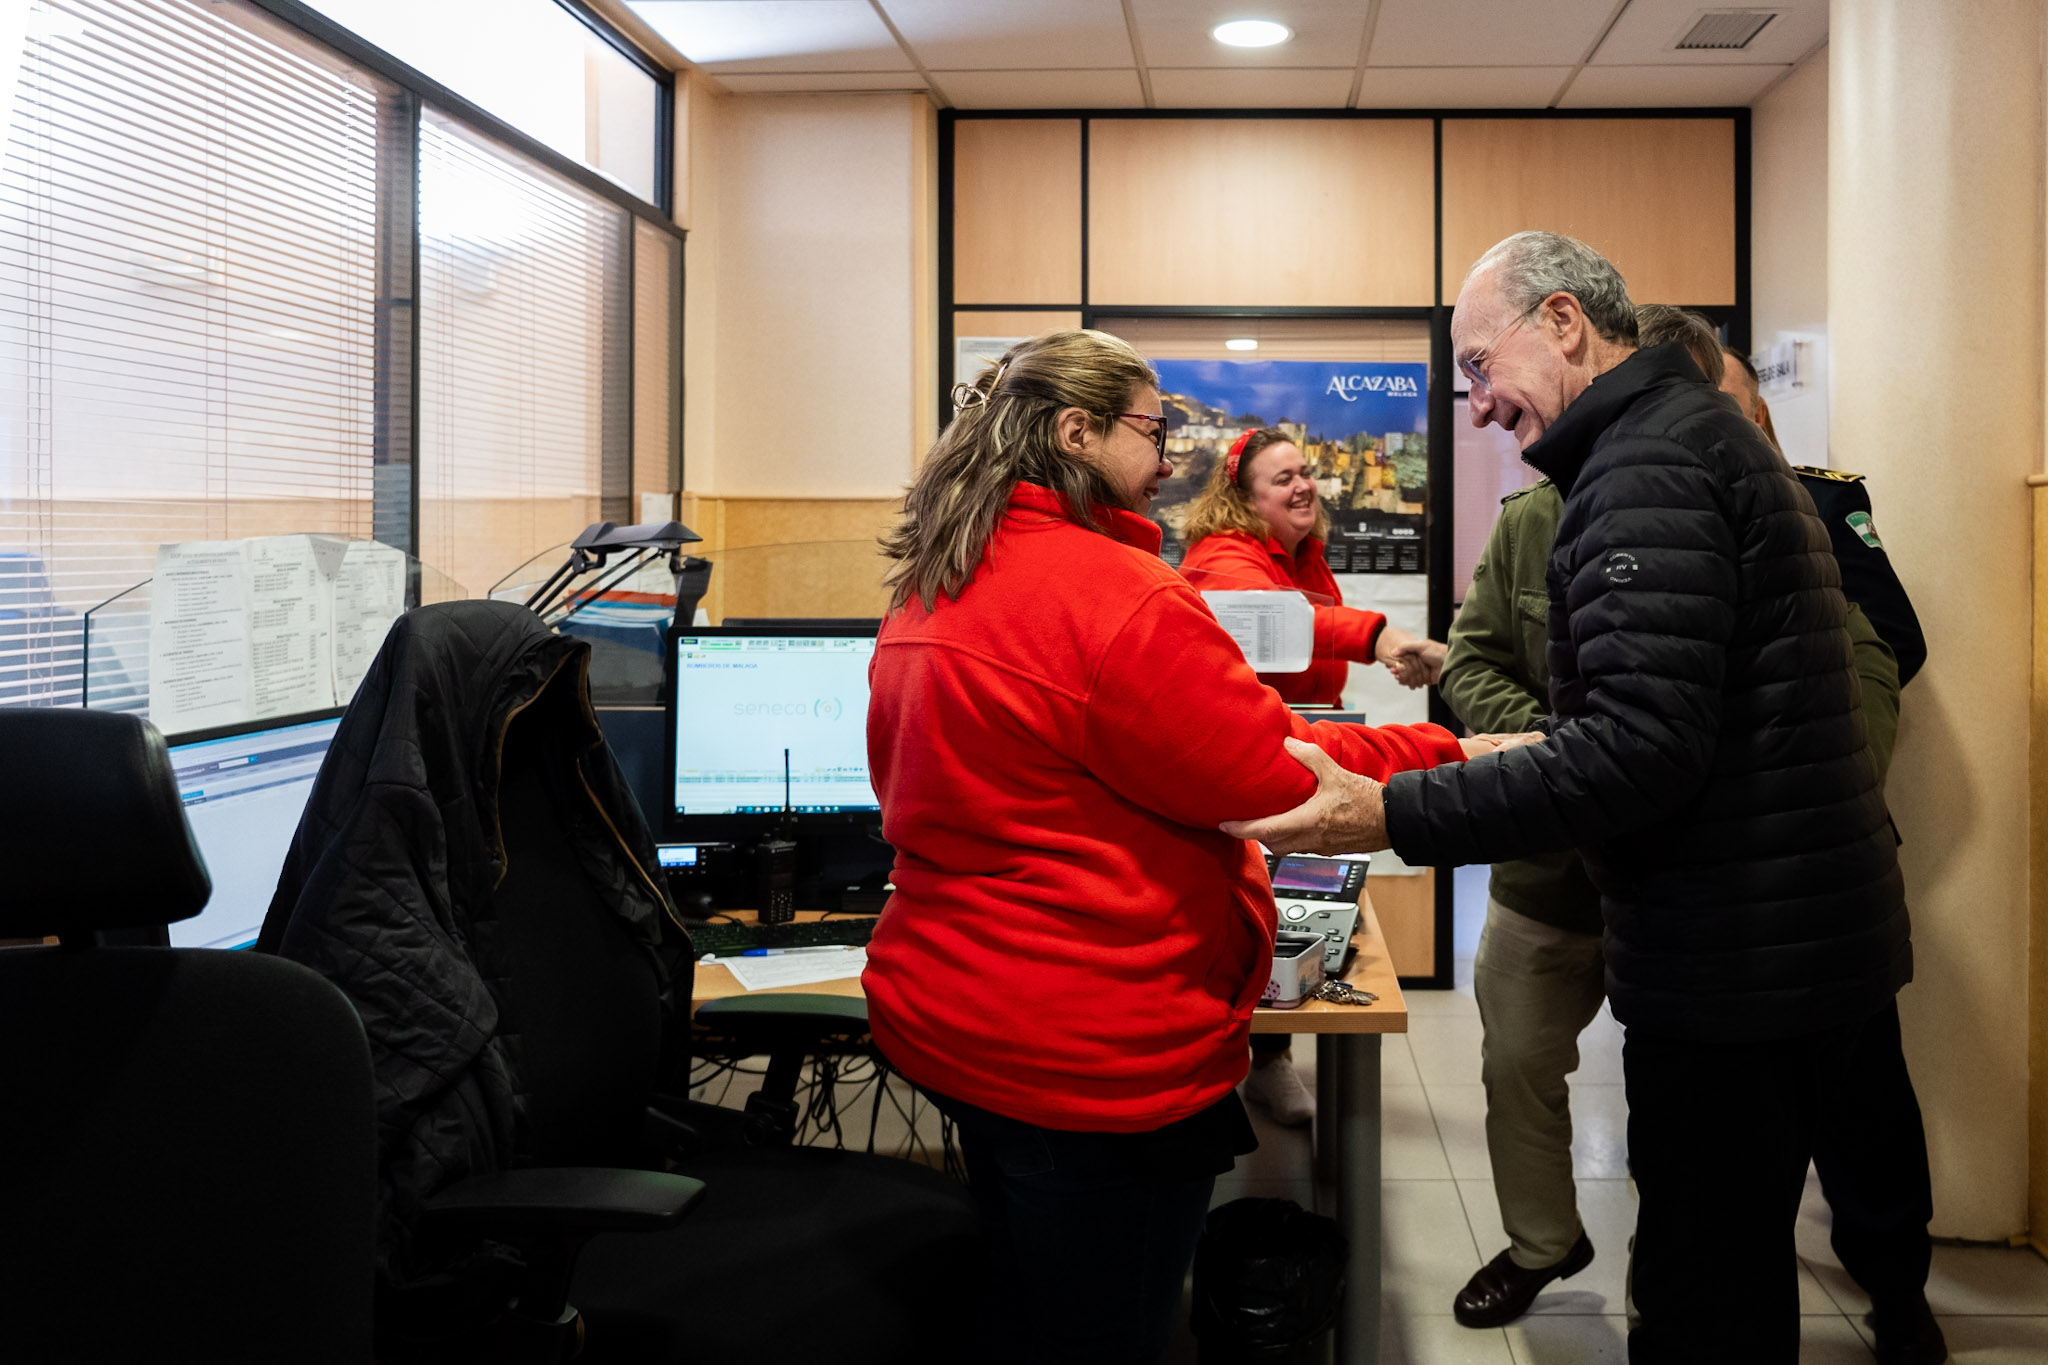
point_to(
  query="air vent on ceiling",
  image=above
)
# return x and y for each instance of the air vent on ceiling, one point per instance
(1725, 30)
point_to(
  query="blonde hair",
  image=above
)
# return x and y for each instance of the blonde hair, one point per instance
(1224, 505)
(1005, 431)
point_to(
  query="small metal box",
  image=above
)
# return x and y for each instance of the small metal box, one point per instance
(1297, 969)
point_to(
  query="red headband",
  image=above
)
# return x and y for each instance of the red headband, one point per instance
(1237, 453)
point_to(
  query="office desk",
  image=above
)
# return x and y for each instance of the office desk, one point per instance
(1347, 1106)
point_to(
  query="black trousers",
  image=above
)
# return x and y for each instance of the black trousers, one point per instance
(1089, 1235)
(1719, 1139)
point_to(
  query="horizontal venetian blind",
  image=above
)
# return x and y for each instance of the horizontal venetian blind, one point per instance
(188, 272)
(657, 298)
(525, 336)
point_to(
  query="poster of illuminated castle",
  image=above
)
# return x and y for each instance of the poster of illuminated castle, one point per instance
(1362, 427)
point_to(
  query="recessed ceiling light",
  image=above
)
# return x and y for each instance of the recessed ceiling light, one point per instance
(1251, 33)
(1241, 344)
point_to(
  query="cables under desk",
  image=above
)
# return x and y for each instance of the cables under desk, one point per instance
(838, 1091)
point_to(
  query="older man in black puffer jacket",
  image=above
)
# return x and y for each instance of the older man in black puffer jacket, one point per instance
(1706, 754)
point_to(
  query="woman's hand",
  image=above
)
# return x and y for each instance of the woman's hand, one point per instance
(1500, 742)
(1414, 662)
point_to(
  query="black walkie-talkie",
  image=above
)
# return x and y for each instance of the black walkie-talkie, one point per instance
(775, 866)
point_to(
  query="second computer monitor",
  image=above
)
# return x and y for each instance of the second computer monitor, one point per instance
(769, 721)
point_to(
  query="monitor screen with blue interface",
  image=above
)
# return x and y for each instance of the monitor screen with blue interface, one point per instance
(243, 796)
(745, 700)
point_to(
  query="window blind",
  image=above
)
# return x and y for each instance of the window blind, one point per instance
(525, 338)
(188, 299)
(657, 372)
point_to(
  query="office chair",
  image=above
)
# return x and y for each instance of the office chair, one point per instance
(186, 1132)
(794, 1253)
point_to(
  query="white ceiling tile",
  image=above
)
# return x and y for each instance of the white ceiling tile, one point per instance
(1455, 33)
(1175, 33)
(1207, 87)
(775, 35)
(1009, 35)
(817, 82)
(1460, 87)
(1648, 31)
(1668, 87)
(1042, 89)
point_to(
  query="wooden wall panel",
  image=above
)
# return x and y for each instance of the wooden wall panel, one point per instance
(2037, 814)
(1281, 213)
(1655, 196)
(792, 556)
(1017, 211)
(968, 323)
(1407, 909)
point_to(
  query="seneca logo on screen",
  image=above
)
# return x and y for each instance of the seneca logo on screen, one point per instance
(823, 708)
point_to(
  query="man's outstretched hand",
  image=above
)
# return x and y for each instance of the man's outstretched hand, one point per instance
(1414, 661)
(1348, 813)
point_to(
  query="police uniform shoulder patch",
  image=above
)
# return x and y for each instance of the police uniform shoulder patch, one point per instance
(1865, 529)
(1831, 475)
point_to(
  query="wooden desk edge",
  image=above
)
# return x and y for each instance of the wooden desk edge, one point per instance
(1372, 969)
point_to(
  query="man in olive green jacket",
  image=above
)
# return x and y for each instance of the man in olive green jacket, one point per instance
(1538, 975)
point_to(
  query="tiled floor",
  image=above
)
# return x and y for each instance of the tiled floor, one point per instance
(1441, 1221)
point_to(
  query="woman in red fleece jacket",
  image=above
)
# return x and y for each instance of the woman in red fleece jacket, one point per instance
(1258, 523)
(1073, 951)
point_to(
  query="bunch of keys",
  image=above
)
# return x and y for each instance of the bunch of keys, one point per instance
(1342, 993)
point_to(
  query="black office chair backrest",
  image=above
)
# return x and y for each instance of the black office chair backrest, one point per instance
(579, 1000)
(186, 1133)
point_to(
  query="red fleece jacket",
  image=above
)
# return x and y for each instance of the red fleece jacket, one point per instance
(1072, 942)
(1344, 635)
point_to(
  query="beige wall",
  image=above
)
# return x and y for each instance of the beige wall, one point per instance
(1935, 183)
(1789, 246)
(809, 302)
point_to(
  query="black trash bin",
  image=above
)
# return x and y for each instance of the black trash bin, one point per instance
(1269, 1276)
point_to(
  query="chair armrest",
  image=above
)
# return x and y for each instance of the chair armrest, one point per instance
(788, 1029)
(576, 1201)
(807, 1016)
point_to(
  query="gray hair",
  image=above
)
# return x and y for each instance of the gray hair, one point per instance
(1531, 266)
(1658, 323)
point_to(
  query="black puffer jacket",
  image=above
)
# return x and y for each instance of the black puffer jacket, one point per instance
(1706, 751)
(387, 889)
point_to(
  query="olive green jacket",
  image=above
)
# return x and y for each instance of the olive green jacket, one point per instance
(1497, 682)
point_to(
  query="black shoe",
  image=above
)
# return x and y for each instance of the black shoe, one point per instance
(1908, 1336)
(1502, 1291)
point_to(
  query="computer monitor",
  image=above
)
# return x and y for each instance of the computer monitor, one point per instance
(768, 729)
(244, 789)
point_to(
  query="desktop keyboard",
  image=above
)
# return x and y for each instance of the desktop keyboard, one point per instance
(731, 940)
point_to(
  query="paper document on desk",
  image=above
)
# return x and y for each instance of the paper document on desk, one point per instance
(796, 969)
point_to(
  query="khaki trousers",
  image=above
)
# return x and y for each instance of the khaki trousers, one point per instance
(1538, 988)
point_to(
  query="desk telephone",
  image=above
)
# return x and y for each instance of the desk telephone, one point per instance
(1319, 896)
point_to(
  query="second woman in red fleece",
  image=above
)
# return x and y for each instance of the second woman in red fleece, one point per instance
(1258, 523)
(1074, 949)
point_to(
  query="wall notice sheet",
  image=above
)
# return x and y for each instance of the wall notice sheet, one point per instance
(242, 630)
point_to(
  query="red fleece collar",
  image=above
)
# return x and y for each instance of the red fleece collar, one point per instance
(1128, 527)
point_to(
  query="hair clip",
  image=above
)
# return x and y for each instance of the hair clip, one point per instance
(973, 395)
(1237, 453)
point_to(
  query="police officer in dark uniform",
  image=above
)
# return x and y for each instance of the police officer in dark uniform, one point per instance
(1873, 1161)
(1868, 579)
